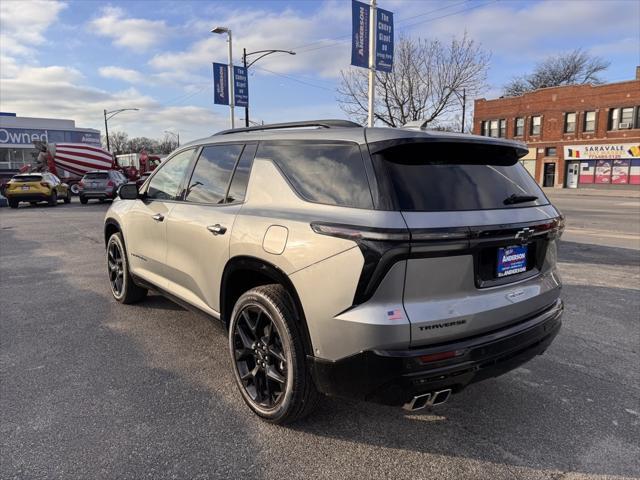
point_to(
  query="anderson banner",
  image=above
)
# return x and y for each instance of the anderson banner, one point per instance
(220, 84)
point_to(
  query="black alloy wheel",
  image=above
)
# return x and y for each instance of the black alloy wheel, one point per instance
(259, 356)
(116, 269)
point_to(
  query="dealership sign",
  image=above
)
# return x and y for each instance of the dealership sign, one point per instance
(220, 84)
(26, 136)
(602, 151)
(360, 41)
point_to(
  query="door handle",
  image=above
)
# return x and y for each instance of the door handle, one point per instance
(158, 217)
(217, 229)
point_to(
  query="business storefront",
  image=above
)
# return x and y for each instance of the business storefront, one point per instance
(17, 135)
(615, 165)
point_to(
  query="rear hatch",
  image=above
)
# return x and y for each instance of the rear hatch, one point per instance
(95, 182)
(27, 184)
(481, 231)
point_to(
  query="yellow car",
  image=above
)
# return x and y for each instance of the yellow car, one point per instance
(36, 187)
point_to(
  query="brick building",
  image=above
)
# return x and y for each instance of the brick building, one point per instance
(578, 136)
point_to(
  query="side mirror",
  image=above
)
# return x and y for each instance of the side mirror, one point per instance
(128, 191)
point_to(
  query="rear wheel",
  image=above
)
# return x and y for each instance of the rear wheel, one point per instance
(13, 203)
(53, 199)
(83, 200)
(123, 288)
(67, 199)
(268, 356)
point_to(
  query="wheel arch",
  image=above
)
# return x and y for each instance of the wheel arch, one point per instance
(111, 226)
(243, 273)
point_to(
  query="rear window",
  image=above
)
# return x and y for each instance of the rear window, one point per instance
(27, 178)
(97, 176)
(326, 173)
(455, 176)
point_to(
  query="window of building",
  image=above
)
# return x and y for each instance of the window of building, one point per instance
(622, 118)
(551, 152)
(165, 183)
(503, 128)
(329, 173)
(519, 130)
(493, 128)
(485, 128)
(570, 122)
(590, 121)
(536, 124)
(211, 176)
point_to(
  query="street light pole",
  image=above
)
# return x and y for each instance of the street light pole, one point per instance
(464, 106)
(246, 68)
(109, 116)
(227, 30)
(372, 62)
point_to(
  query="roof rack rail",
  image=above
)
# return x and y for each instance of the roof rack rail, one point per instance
(306, 123)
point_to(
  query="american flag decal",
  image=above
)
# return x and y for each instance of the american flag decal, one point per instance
(394, 314)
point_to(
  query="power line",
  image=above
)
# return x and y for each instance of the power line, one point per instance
(295, 79)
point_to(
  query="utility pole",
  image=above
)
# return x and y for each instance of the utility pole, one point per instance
(106, 129)
(244, 64)
(464, 107)
(231, 92)
(372, 62)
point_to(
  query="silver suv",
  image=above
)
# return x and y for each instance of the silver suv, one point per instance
(392, 265)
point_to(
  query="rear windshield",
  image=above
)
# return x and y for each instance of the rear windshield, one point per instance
(97, 176)
(455, 176)
(27, 178)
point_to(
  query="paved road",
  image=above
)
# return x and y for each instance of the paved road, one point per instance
(93, 389)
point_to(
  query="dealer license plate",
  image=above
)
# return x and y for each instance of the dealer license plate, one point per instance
(511, 260)
(25, 187)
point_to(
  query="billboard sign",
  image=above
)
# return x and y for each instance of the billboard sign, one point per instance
(359, 34)
(220, 84)
(26, 136)
(602, 151)
(240, 87)
(384, 40)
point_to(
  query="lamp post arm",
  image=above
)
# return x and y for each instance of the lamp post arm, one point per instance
(265, 53)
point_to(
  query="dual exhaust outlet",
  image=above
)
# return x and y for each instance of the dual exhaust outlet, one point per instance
(427, 400)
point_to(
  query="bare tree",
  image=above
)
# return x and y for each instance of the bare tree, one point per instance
(137, 144)
(426, 76)
(117, 142)
(167, 145)
(573, 68)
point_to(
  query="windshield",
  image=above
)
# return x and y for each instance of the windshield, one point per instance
(455, 176)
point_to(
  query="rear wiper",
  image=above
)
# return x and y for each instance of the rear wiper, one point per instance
(514, 198)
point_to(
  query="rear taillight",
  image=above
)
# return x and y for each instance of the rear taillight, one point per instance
(110, 183)
(434, 357)
(45, 184)
(356, 233)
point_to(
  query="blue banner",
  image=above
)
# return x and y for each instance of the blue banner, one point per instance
(220, 84)
(240, 87)
(360, 34)
(384, 40)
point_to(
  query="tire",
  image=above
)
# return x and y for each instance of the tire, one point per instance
(101, 200)
(53, 199)
(293, 395)
(33, 204)
(83, 200)
(67, 199)
(125, 291)
(13, 203)
(75, 189)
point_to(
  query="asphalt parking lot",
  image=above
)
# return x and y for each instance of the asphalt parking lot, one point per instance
(93, 389)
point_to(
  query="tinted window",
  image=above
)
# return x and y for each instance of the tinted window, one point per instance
(240, 179)
(325, 173)
(96, 176)
(165, 184)
(446, 177)
(27, 178)
(211, 176)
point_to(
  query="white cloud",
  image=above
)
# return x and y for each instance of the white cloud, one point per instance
(61, 92)
(137, 34)
(125, 74)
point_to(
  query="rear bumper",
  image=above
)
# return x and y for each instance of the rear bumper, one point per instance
(102, 194)
(394, 377)
(29, 197)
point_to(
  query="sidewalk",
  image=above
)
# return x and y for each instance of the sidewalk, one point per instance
(591, 192)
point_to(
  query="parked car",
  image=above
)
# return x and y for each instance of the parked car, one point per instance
(100, 185)
(391, 265)
(36, 187)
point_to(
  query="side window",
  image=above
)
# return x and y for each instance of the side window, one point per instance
(240, 180)
(333, 174)
(165, 184)
(211, 176)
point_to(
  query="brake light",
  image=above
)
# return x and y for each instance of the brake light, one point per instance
(45, 184)
(434, 357)
(356, 233)
(110, 183)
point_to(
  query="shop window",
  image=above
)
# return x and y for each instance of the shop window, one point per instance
(570, 122)
(519, 129)
(550, 152)
(589, 121)
(536, 125)
(493, 128)
(503, 128)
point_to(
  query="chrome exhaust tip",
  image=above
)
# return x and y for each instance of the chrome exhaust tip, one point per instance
(418, 402)
(440, 397)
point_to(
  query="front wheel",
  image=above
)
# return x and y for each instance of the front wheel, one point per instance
(75, 189)
(13, 203)
(83, 200)
(67, 199)
(265, 342)
(53, 199)
(123, 288)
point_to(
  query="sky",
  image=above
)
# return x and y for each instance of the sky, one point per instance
(73, 59)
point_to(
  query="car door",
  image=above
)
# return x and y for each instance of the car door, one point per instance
(199, 227)
(145, 229)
